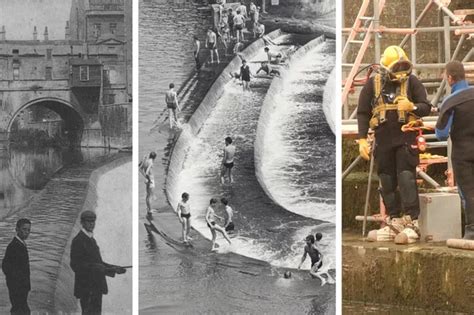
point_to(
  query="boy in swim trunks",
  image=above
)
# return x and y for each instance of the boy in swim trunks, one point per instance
(213, 226)
(184, 215)
(316, 258)
(171, 98)
(228, 160)
(229, 225)
(239, 22)
(265, 67)
(273, 57)
(211, 44)
(146, 169)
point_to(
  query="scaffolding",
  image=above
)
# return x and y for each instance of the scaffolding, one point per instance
(369, 29)
(373, 32)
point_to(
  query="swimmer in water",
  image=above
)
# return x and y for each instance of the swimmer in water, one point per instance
(228, 160)
(213, 226)
(316, 258)
(184, 215)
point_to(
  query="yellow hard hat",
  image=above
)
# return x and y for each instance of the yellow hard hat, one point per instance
(396, 63)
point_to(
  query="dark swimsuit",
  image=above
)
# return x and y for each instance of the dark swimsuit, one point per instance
(245, 73)
(185, 215)
(229, 165)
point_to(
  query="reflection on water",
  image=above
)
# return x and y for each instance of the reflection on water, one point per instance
(24, 171)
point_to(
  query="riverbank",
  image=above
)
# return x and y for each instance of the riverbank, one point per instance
(54, 212)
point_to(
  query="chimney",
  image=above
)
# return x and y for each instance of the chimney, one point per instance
(46, 36)
(35, 34)
(67, 31)
(3, 33)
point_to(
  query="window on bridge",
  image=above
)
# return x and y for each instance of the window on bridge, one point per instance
(84, 73)
(16, 71)
(49, 53)
(113, 28)
(49, 73)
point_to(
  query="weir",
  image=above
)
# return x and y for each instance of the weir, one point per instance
(54, 212)
(265, 230)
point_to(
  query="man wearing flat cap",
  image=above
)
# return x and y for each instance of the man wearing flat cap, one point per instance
(89, 268)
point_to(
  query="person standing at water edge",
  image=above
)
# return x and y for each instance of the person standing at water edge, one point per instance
(184, 215)
(146, 169)
(228, 160)
(455, 120)
(89, 268)
(197, 48)
(213, 226)
(245, 75)
(229, 224)
(171, 98)
(239, 22)
(211, 44)
(16, 267)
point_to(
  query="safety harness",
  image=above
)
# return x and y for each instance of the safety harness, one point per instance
(381, 108)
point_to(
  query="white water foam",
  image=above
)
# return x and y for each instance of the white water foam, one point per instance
(280, 152)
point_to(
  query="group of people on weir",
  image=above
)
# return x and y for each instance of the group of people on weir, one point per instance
(183, 211)
(229, 30)
(85, 261)
(394, 99)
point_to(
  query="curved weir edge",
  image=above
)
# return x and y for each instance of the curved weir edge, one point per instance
(268, 107)
(198, 118)
(63, 295)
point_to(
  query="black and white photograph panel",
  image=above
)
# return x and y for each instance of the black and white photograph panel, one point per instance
(237, 146)
(65, 156)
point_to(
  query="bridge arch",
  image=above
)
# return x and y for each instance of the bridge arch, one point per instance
(74, 122)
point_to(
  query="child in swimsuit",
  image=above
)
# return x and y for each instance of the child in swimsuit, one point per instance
(184, 216)
(213, 226)
(316, 259)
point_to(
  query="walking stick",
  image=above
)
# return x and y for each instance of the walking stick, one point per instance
(367, 196)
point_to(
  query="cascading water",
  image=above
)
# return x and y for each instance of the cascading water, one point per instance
(298, 162)
(264, 230)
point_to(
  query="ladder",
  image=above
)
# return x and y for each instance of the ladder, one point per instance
(364, 43)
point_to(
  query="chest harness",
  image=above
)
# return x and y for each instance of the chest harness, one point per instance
(380, 108)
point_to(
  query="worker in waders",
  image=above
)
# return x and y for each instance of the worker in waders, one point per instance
(389, 100)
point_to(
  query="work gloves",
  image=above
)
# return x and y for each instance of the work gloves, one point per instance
(404, 104)
(364, 149)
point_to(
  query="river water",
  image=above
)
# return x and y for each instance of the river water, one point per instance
(172, 280)
(48, 186)
(24, 172)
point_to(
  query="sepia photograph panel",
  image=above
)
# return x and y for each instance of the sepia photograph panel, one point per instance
(237, 146)
(65, 156)
(407, 158)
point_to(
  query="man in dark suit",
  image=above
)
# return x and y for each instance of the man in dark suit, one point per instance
(89, 268)
(16, 267)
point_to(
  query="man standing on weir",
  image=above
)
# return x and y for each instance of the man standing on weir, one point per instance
(16, 267)
(146, 169)
(89, 268)
(389, 100)
(456, 120)
(228, 160)
(171, 98)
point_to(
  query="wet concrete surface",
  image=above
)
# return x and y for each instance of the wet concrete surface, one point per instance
(424, 276)
(53, 213)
